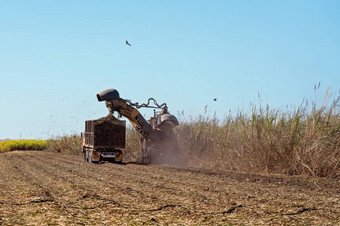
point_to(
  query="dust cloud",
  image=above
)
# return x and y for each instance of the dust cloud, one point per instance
(168, 151)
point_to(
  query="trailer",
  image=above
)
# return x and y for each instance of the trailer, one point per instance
(104, 140)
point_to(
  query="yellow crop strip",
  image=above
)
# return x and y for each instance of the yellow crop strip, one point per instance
(12, 145)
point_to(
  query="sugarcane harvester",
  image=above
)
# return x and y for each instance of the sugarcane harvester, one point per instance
(157, 136)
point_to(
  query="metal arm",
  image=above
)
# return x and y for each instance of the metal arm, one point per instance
(129, 110)
(132, 114)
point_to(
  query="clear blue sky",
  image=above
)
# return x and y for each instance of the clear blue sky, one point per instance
(56, 55)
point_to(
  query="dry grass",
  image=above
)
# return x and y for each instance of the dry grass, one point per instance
(67, 144)
(304, 141)
(133, 145)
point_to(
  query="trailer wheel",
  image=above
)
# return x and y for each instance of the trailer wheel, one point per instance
(84, 154)
(89, 157)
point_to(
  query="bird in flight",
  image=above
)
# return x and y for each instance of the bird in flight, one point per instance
(215, 99)
(127, 43)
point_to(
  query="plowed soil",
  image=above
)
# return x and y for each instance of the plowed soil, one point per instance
(44, 188)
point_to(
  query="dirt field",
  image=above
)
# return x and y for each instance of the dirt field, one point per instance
(52, 188)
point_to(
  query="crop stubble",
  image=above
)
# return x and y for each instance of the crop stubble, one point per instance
(55, 188)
